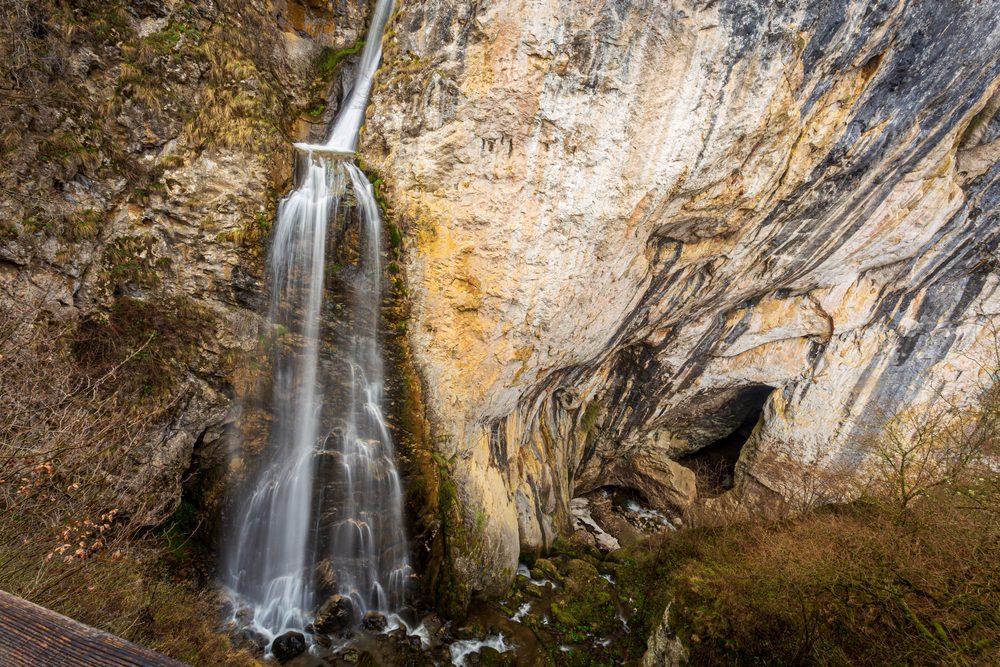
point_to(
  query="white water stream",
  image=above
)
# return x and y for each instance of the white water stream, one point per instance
(327, 488)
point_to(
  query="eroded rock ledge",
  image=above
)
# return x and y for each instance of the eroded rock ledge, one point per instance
(628, 219)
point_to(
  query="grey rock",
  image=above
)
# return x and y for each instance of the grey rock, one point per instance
(695, 203)
(251, 640)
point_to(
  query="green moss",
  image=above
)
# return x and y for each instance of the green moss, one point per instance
(452, 594)
(545, 569)
(330, 59)
(166, 40)
(334, 268)
(395, 236)
(489, 657)
(584, 604)
(590, 415)
(316, 110)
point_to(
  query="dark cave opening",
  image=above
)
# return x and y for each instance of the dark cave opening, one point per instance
(714, 465)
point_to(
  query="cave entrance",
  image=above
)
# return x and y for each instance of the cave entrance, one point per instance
(714, 465)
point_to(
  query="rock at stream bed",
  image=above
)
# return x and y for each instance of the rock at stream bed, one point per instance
(490, 657)
(374, 622)
(335, 615)
(244, 615)
(251, 640)
(288, 646)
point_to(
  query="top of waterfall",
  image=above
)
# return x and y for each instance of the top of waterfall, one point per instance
(344, 136)
(325, 150)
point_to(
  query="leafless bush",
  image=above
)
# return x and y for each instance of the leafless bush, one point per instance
(68, 446)
(74, 460)
(16, 29)
(949, 443)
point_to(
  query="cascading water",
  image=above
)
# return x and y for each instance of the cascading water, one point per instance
(329, 491)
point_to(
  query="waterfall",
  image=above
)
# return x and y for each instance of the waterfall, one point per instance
(327, 493)
(344, 136)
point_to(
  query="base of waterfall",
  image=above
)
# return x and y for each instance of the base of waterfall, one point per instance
(386, 639)
(581, 601)
(326, 636)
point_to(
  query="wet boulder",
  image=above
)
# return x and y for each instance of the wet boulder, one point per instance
(326, 577)
(374, 622)
(244, 616)
(288, 646)
(490, 657)
(334, 615)
(251, 640)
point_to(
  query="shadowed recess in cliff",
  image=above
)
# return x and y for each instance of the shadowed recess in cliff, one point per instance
(322, 518)
(714, 465)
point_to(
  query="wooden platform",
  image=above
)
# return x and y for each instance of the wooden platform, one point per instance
(32, 636)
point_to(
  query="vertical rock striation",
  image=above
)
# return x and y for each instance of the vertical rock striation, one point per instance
(627, 219)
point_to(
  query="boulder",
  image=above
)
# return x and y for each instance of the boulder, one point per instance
(244, 616)
(251, 640)
(335, 615)
(374, 621)
(288, 646)
(490, 657)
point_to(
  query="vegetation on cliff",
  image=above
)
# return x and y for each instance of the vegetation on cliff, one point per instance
(123, 247)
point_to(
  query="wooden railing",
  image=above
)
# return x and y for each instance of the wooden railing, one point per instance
(32, 636)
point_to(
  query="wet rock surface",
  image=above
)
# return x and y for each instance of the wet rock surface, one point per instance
(334, 615)
(374, 621)
(250, 639)
(288, 646)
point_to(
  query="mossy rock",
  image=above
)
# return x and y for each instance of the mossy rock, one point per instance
(576, 549)
(533, 590)
(578, 569)
(546, 569)
(490, 657)
(586, 601)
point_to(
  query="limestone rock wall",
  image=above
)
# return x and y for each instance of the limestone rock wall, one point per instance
(624, 217)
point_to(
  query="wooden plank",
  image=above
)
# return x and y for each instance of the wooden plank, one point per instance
(31, 636)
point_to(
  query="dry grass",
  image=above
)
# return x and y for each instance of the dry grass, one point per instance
(73, 448)
(858, 584)
(906, 574)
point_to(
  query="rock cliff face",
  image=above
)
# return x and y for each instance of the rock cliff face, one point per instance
(144, 146)
(628, 221)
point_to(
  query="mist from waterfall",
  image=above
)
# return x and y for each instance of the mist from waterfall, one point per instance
(324, 509)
